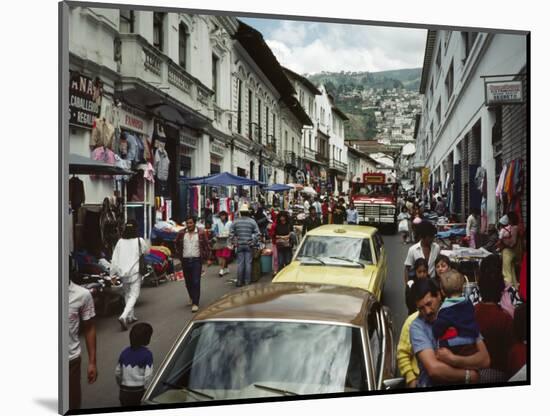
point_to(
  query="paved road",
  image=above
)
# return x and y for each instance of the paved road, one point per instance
(394, 291)
(164, 307)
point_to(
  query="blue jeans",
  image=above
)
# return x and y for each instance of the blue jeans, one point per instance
(244, 265)
(192, 268)
(284, 256)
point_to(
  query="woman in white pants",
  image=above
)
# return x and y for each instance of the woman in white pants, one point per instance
(125, 265)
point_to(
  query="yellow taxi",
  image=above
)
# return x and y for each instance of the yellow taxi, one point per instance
(345, 255)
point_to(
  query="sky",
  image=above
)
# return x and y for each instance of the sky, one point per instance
(311, 47)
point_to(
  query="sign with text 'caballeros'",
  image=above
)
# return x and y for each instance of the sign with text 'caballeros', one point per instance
(84, 100)
(503, 92)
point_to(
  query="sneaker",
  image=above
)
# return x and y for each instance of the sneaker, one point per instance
(194, 308)
(123, 324)
(132, 320)
(221, 273)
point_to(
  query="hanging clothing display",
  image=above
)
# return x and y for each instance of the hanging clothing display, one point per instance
(106, 155)
(162, 164)
(103, 134)
(148, 174)
(483, 227)
(132, 153)
(500, 184)
(76, 193)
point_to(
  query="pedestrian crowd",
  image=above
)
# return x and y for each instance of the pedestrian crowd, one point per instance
(462, 328)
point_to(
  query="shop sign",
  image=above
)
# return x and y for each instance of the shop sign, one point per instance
(132, 122)
(84, 100)
(188, 141)
(217, 149)
(503, 92)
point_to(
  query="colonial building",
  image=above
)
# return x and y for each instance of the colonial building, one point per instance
(459, 131)
(267, 119)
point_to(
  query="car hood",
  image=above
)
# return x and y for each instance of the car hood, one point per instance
(362, 278)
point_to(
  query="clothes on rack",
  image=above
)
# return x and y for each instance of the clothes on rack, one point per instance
(500, 184)
(103, 134)
(77, 197)
(162, 164)
(148, 173)
(106, 155)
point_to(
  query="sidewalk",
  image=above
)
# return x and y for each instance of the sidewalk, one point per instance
(165, 308)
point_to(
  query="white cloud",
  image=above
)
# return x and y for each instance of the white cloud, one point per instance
(309, 47)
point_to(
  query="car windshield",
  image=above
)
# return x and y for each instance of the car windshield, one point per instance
(336, 249)
(247, 359)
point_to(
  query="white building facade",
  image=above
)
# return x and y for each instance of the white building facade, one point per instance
(457, 133)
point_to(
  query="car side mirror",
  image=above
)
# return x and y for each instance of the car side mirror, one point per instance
(394, 383)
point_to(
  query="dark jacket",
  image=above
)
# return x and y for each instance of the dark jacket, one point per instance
(204, 246)
(310, 224)
(461, 316)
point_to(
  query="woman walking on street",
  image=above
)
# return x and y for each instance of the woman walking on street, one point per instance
(125, 265)
(510, 243)
(283, 230)
(404, 223)
(222, 229)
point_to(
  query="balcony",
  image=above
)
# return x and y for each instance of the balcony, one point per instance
(310, 154)
(140, 61)
(290, 158)
(339, 166)
(322, 158)
(271, 143)
(255, 132)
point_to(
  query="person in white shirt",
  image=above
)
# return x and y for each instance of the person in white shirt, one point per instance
(425, 248)
(472, 226)
(403, 228)
(81, 313)
(318, 208)
(222, 229)
(306, 204)
(125, 265)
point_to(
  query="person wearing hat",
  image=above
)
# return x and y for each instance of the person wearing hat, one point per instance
(244, 234)
(510, 246)
(222, 227)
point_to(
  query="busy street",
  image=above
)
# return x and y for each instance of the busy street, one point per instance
(241, 228)
(165, 308)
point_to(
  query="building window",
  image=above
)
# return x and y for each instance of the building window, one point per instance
(468, 39)
(239, 106)
(215, 64)
(309, 139)
(438, 112)
(127, 20)
(250, 114)
(449, 81)
(438, 61)
(274, 140)
(267, 123)
(259, 121)
(183, 36)
(293, 144)
(310, 106)
(158, 33)
(431, 91)
(286, 140)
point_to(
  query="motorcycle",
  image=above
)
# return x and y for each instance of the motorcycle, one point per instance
(106, 293)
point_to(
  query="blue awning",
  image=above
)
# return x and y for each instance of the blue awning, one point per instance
(277, 187)
(222, 179)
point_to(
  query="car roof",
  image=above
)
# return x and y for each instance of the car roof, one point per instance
(292, 301)
(357, 231)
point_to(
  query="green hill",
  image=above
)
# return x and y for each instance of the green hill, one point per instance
(349, 88)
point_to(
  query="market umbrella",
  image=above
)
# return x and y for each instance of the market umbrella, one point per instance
(296, 186)
(80, 165)
(309, 190)
(222, 179)
(277, 187)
